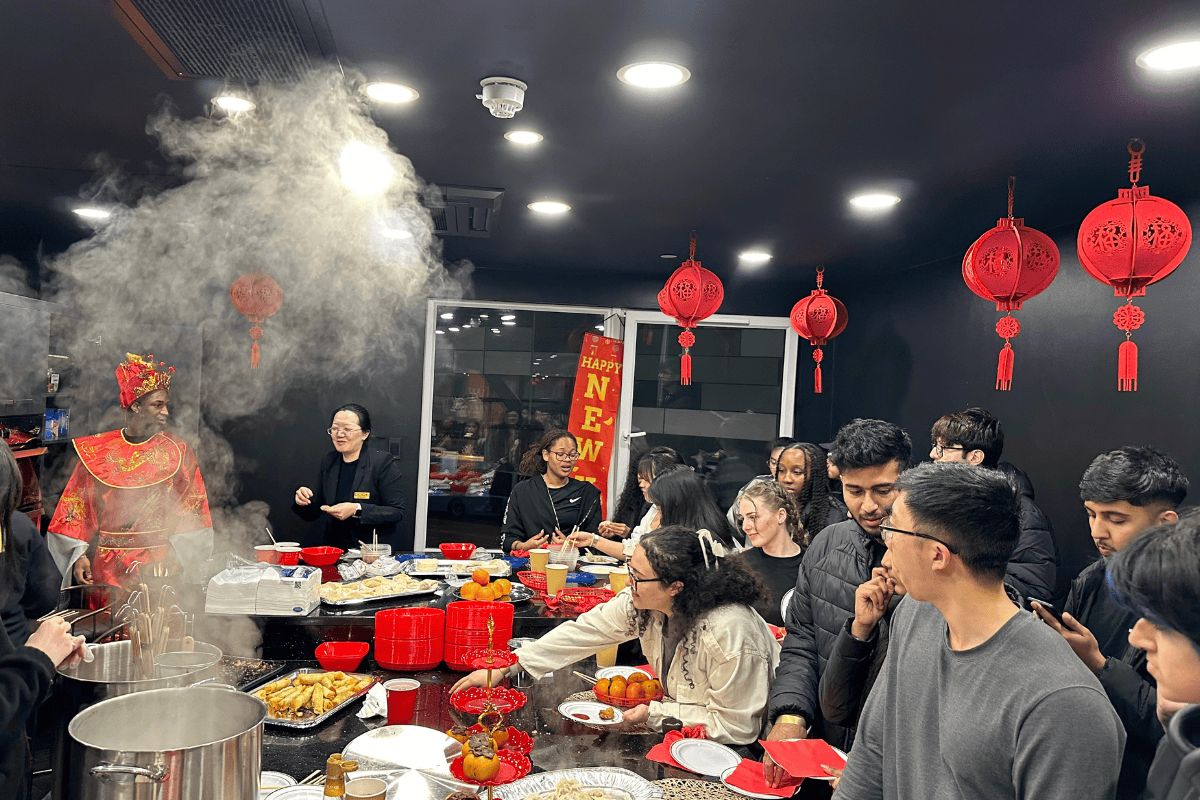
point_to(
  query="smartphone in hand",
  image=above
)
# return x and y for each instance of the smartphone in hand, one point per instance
(1051, 610)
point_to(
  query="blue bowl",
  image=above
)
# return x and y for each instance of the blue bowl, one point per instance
(581, 578)
(515, 563)
(409, 557)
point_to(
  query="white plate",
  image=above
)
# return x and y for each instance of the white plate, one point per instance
(298, 793)
(743, 792)
(596, 569)
(591, 711)
(596, 558)
(624, 672)
(830, 777)
(704, 756)
(616, 782)
(270, 781)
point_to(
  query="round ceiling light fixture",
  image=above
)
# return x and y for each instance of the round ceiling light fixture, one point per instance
(448, 315)
(524, 137)
(653, 74)
(754, 258)
(507, 317)
(452, 329)
(384, 92)
(91, 212)
(874, 201)
(364, 169)
(549, 207)
(1171, 57)
(440, 332)
(668, 255)
(395, 233)
(508, 322)
(232, 104)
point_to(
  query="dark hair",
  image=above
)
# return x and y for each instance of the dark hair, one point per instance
(813, 498)
(1158, 576)
(781, 442)
(631, 502)
(1139, 476)
(683, 499)
(364, 416)
(976, 510)
(532, 462)
(974, 429)
(676, 554)
(774, 496)
(11, 486)
(870, 443)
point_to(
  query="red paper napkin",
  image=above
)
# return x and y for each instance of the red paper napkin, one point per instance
(661, 752)
(749, 776)
(803, 758)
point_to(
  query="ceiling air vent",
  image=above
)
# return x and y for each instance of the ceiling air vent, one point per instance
(463, 210)
(274, 41)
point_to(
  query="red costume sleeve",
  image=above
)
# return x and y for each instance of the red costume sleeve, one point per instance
(76, 515)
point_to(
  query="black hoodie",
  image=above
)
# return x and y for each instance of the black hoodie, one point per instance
(530, 510)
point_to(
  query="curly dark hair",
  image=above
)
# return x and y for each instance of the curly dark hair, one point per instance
(813, 498)
(772, 494)
(532, 462)
(631, 505)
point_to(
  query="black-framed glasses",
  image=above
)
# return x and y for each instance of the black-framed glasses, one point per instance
(574, 456)
(342, 431)
(635, 580)
(888, 530)
(939, 450)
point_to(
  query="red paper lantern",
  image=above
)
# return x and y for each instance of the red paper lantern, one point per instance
(692, 294)
(818, 318)
(1008, 265)
(1130, 243)
(258, 296)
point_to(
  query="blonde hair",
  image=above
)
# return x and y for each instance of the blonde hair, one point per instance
(772, 495)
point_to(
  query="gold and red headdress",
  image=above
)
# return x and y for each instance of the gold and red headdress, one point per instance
(138, 377)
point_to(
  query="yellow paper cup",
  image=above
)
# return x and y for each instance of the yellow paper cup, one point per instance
(618, 579)
(607, 657)
(538, 560)
(556, 578)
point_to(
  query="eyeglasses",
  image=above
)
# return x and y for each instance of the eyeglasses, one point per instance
(565, 456)
(888, 530)
(342, 431)
(939, 450)
(634, 580)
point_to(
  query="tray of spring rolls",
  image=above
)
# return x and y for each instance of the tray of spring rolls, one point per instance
(306, 697)
(368, 590)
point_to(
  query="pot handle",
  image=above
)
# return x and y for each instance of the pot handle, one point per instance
(157, 773)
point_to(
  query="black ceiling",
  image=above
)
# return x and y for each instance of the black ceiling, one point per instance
(791, 106)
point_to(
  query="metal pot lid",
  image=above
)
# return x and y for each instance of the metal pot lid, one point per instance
(403, 746)
(297, 793)
(168, 719)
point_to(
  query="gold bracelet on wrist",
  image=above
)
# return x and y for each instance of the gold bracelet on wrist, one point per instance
(789, 719)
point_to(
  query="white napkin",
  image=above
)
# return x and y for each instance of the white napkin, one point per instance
(374, 702)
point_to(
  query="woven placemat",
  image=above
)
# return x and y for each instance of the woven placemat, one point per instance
(640, 729)
(680, 789)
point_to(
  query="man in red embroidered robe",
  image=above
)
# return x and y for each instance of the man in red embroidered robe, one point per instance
(136, 494)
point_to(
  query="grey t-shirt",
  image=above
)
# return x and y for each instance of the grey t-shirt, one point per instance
(1018, 716)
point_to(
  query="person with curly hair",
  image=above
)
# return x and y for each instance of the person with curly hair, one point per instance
(802, 470)
(550, 504)
(771, 522)
(693, 611)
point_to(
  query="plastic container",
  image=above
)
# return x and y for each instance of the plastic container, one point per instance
(370, 552)
(344, 656)
(409, 655)
(288, 556)
(265, 553)
(457, 551)
(410, 623)
(321, 556)
(566, 554)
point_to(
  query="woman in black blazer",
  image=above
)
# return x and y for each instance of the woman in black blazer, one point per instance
(357, 490)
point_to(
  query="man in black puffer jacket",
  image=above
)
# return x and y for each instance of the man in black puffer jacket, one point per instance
(870, 455)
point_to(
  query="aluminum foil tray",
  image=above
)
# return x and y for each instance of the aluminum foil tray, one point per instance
(622, 780)
(317, 720)
(362, 601)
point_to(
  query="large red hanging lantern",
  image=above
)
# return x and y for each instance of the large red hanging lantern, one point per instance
(692, 294)
(1008, 265)
(1130, 243)
(818, 318)
(258, 296)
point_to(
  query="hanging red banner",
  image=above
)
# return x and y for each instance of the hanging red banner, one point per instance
(594, 409)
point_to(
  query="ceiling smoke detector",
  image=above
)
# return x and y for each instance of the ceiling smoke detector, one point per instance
(504, 97)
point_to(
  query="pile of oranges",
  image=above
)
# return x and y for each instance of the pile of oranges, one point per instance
(636, 688)
(482, 587)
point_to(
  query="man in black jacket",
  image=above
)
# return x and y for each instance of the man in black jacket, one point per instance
(869, 454)
(1125, 492)
(975, 437)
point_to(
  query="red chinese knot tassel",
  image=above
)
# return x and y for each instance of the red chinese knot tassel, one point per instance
(1127, 367)
(256, 333)
(1004, 370)
(686, 339)
(818, 357)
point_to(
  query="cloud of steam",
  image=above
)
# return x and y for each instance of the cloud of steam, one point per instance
(13, 278)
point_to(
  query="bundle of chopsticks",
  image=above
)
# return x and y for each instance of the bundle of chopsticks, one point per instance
(315, 778)
(150, 627)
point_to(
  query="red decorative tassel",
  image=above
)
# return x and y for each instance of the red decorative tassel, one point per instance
(254, 356)
(685, 370)
(1004, 368)
(817, 380)
(1127, 367)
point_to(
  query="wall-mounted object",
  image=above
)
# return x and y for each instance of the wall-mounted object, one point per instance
(258, 296)
(818, 318)
(692, 294)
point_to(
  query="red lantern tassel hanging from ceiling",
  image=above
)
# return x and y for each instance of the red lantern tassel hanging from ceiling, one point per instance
(1130, 243)
(258, 296)
(1008, 265)
(692, 294)
(818, 318)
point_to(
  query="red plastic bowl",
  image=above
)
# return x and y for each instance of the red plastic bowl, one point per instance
(474, 614)
(408, 651)
(457, 551)
(321, 556)
(343, 656)
(410, 623)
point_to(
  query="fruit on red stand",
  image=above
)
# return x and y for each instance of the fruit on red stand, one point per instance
(459, 732)
(500, 737)
(480, 762)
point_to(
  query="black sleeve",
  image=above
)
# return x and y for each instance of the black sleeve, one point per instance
(1135, 700)
(312, 511)
(389, 490)
(26, 676)
(844, 680)
(796, 678)
(512, 529)
(42, 578)
(591, 501)
(1033, 566)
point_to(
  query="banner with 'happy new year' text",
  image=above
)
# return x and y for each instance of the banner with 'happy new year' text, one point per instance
(594, 409)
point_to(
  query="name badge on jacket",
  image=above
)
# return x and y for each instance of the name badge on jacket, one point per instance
(362, 495)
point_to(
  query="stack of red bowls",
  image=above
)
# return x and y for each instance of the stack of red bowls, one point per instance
(409, 639)
(466, 629)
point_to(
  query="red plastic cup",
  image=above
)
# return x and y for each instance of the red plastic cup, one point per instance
(401, 700)
(265, 553)
(288, 556)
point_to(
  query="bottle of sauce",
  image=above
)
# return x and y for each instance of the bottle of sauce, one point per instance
(335, 775)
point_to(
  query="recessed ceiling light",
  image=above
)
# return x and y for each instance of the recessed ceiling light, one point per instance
(396, 233)
(1171, 57)
(599, 327)
(668, 255)
(523, 137)
(364, 169)
(453, 330)
(754, 257)
(88, 212)
(483, 316)
(549, 207)
(495, 330)
(382, 92)
(508, 322)
(448, 315)
(653, 74)
(440, 332)
(874, 202)
(508, 317)
(232, 104)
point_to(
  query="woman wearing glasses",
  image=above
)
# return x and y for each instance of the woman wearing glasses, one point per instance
(692, 610)
(357, 491)
(551, 504)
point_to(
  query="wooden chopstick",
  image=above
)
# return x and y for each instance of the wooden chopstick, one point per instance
(310, 780)
(587, 678)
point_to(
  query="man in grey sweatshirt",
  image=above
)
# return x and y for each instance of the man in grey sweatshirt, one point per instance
(977, 698)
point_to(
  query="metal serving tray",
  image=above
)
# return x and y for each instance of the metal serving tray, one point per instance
(317, 720)
(607, 778)
(362, 601)
(457, 568)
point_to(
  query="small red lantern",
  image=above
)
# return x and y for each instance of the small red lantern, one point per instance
(818, 318)
(258, 296)
(692, 294)
(1008, 265)
(1130, 243)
